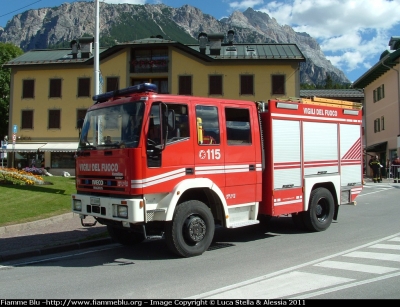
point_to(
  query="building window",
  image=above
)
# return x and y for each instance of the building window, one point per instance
(28, 88)
(185, 85)
(377, 127)
(383, 122)
(149, 60)
(278, 84)
(27, 119)
(62, 160)
(246, 85)
(80, 117)
(379, 93)
(55, 88)
(215, 84)
(207, 125)
(54, 119)
(112, 84)
(162, 83)
(83, 87)
(238, 126)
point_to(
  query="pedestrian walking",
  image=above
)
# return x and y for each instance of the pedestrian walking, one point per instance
(375, 166)
(396, 169)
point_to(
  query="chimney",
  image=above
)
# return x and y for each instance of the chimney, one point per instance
(215, 43)
(231, 34)
(86, 46)
(202, 42)
(394, 42)
(74, 47)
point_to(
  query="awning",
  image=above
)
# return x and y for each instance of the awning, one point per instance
(378, 147)
(60, 147)
(23, 147)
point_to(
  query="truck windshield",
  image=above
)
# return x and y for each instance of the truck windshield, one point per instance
(117, 126)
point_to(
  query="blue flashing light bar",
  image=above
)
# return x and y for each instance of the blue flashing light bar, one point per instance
(140, 88)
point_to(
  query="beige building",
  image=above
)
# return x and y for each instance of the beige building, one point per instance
(381, 84)
(52, 89)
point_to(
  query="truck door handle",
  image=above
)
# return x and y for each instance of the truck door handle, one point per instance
(252, 167)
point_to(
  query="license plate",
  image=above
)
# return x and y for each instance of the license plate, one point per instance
(95, 201)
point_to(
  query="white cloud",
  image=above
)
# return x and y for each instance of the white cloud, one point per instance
(352, 33)
(243, 5)
(125, 1)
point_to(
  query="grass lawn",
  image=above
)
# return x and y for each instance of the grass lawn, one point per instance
(26, 203)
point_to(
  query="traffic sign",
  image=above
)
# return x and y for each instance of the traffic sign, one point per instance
(15, 128)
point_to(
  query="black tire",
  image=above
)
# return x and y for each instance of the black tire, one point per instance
(124, 236)
(191, 230)
(320, 211)
(298, 220)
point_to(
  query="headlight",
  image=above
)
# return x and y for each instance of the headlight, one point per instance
(77, 205)
(122, 211)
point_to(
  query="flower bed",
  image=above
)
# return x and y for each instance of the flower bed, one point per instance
(20, 177)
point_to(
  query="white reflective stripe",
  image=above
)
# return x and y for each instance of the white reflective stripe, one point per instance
(336, 119)
(199, 170)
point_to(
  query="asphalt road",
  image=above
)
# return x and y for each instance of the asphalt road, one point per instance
(357, 257)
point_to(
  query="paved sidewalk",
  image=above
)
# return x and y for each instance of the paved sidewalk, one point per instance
(56, 234)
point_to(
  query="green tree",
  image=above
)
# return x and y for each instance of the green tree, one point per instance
(7, 52)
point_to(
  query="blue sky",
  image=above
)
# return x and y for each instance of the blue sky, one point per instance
(352, 33)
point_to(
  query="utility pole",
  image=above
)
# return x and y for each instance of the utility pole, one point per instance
(96, 51)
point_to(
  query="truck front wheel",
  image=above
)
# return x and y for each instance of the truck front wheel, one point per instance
(320, 211)
(191, 230)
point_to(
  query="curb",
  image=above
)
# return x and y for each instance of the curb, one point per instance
(30, 225)
(55, 249)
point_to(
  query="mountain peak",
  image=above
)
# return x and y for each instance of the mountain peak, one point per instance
(57, 26)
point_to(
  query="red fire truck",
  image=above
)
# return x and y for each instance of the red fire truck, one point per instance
(155, 165)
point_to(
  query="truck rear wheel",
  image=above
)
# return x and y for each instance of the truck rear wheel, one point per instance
(320, 211)
(124, 236)
(191, 230)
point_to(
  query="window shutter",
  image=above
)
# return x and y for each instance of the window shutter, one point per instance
(84, 87)
(28, 89)
(27, 119)
(215, 85)
(54, 119)
(185, 85)
(55, 88)
(246, 85)
(278, 84)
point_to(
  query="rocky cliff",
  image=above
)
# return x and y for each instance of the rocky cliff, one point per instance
(57, 26)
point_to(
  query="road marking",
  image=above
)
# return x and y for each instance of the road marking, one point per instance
(283, 285)
(376, 256)
(344, 287)
(252, 286)
(351, 266)
(386, 246)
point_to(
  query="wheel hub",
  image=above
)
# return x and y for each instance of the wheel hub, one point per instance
(195, 229)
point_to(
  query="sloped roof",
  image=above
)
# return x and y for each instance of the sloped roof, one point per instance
(376, 71)
(333, 93)
(226, 52)
(48, 56)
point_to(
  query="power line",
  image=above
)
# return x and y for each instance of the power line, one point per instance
(20, 8)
